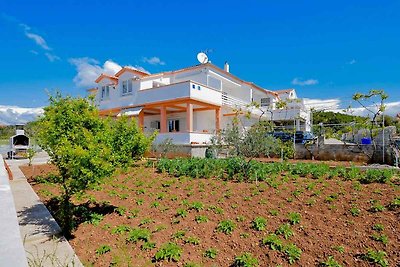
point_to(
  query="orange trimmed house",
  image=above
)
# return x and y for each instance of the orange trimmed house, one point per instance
(189, 105)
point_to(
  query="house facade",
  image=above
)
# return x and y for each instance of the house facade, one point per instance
(190, 105)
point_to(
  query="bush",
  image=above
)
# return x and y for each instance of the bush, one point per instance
(170, 252)
(226, 227)
(137, 234)
(273, 241)
(103, 249)
(245, 260)
(259, 223)
(376, 257)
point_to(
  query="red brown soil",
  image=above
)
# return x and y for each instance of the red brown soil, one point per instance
(323, 225)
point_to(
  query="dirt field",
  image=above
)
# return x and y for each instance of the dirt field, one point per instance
(338, 218)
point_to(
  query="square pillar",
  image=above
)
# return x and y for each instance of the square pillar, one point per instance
(141, 119)
(218, 119)
(163, 120)
(189, 117)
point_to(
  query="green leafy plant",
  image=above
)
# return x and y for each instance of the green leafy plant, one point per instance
(121, 229)
(201, 219)
(210, 253)
(273, 241)
(378, 227)
(170, 252)
(380, 238)
(120, 210)
(330, 262)
(292, 252)
(259, 223)
(179, 234)
(285, 230)
(294, 217)
(148, 245)
(181, 213)
(376, 206)
(192, 240)
(137, 234)
(377, 257)
(226, 227)
(339, 249)
(245, 260)
(84, 147)
(95, 218)
(197, 206)
(354, 211)
(103, 250)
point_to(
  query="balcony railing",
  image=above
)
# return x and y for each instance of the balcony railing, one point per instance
(233, 101)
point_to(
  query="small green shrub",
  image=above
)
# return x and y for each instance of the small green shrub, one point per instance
(179, 234)
(192, 240)
(259, 223)
(395, 204)
(120, 210)
(197, 206)
(245, 260)
(376, 257)
(294, 217)
(376, 206)
(137, 234)
(378, 227)
(330, 262)
(210, 253)
(103, 250)
(121, 229)
(273, 212)
(170, 252)
(226, 227)
(292, 252)
(355, 211)
(181, 213)
(285, 230)
(148, 245)
(380, 238)
(95, 218)
(201, 219)
(273, 241)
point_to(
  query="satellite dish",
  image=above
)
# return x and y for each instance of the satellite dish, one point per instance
(202, 58)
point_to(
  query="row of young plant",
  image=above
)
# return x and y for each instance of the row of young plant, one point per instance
(237, 168)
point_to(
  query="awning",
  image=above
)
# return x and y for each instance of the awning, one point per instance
(130, 112)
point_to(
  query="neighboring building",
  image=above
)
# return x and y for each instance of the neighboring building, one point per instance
(189, 105)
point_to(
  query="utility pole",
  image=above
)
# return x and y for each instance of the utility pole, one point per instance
(383, 137)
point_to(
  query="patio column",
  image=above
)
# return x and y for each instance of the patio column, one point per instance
(189, 117)
(141, 119)
(218, 119)
(163, 120)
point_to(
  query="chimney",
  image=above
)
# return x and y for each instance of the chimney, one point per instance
(226, 66)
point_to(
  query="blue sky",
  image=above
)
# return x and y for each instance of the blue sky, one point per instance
(326, 50)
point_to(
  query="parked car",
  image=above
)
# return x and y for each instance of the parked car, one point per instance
(300, 136)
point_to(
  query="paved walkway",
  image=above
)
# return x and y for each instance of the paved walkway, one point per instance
(44, 245)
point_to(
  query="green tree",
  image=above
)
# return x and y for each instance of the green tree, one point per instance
(84, 147)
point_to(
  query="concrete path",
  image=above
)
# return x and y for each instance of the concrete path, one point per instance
(44, 245)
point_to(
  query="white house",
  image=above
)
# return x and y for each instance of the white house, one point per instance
(189, 105)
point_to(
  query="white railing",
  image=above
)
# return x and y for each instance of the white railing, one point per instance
(233, 101)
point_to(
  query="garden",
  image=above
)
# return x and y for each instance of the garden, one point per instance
(118, 209)
(208, 212)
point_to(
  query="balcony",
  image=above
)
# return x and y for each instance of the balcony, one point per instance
(182, 90)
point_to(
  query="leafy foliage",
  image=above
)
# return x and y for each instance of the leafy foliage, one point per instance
(103, 249)
(259, 223)
(377, 257)
(226, 227)
(245, 260)
(170, 252)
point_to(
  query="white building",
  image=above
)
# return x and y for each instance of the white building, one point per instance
(189, 105)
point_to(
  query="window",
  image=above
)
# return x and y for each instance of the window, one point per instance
(265, 102)
(127, 87)
(214, 83)
(105, 92)
(155, 125)
(173, 125)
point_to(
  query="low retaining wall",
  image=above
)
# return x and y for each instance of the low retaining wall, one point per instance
(12, 252)
(344, 152)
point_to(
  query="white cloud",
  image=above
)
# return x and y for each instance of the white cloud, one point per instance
(153, 61)
(39, 40)
(322, 104)
(392, 108)
(301, 82)
(351, 62)
(51, 57)
(10, 115)
(89, 69)
(34, 52)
